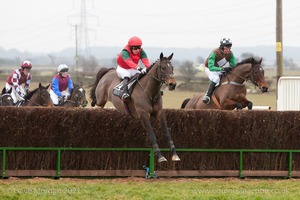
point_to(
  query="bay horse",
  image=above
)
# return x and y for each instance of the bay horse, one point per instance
(38, 97)
(231, 92)
(77, 97)
(5, 98)
(146, 98)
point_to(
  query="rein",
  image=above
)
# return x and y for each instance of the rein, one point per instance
(155, 98)
(240, 84)
(161, 82)
(76, 103)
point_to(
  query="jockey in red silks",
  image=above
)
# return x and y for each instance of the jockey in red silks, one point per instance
(16, 79)
(128, 61)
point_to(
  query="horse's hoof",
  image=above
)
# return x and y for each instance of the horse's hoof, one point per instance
(162, 159)
(175, 158)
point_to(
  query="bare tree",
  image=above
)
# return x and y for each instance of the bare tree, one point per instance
(187, 70)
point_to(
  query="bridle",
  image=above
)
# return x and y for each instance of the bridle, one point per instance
(78, 93)
(159, 77)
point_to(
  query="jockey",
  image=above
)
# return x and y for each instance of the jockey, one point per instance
(128, 61)
(221, 60)
(60, 83)
(16, 79)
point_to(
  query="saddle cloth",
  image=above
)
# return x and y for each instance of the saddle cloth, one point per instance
(118, 89)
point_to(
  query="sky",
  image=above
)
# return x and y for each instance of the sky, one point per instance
(49, 25)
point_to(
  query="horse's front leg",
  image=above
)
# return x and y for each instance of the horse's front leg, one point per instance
(145, 119)
(163, 124)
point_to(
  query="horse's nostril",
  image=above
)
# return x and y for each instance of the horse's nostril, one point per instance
(265, 89)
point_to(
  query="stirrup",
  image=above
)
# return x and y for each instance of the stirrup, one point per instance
(125, 96)
(206, 99)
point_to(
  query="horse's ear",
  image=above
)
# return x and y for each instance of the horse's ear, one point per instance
(9, 91)
(260, 61)
(170, 57)
(4, 90)
(161, 56)
(40, 85)
(47, 86)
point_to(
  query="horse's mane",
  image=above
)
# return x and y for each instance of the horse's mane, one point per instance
(247, 60)
(29, 95)
(152, 64)
(155, 63)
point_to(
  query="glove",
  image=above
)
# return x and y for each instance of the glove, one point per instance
(227, 69)
(142, 70)
(27, 91)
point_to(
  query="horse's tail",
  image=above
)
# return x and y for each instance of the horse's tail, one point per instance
(93, 87)
(184, 103)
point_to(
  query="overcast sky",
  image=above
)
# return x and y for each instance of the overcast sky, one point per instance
(48, 25)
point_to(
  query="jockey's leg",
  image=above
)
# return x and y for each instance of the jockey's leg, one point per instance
(211, 88)
(125, 95)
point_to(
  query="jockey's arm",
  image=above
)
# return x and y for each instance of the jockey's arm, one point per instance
(232, 61)
(211, 63)
(55, 87)
(27, 84)
(70, 85)
(15, 82)
(145, 59)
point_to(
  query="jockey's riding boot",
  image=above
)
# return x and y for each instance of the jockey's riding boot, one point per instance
(125, 95)
(211, 88)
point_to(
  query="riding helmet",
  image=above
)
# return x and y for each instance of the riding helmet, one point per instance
(26, 64)
(63, 68)
(135, 41)
(225, 42)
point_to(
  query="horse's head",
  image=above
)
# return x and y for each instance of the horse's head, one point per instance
(5, 98)
(39, 97)
(78, 96)
(166, 73)
(257, 76)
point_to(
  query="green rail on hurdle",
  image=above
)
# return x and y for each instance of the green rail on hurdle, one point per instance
(151, 155)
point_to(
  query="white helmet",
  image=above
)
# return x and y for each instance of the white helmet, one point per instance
(63, 68)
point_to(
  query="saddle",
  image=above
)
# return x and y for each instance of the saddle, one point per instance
(118, 89)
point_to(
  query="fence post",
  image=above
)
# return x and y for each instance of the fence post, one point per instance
(241, 165)
(151, 164)
(3, 163)
(290, 164)
(58, 163)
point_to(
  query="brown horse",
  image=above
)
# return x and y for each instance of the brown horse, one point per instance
(38, 97)
(146, 99)
(231, 93)
(77, 97)
(5, 98)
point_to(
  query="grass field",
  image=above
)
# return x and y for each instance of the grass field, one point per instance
(140, 188)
